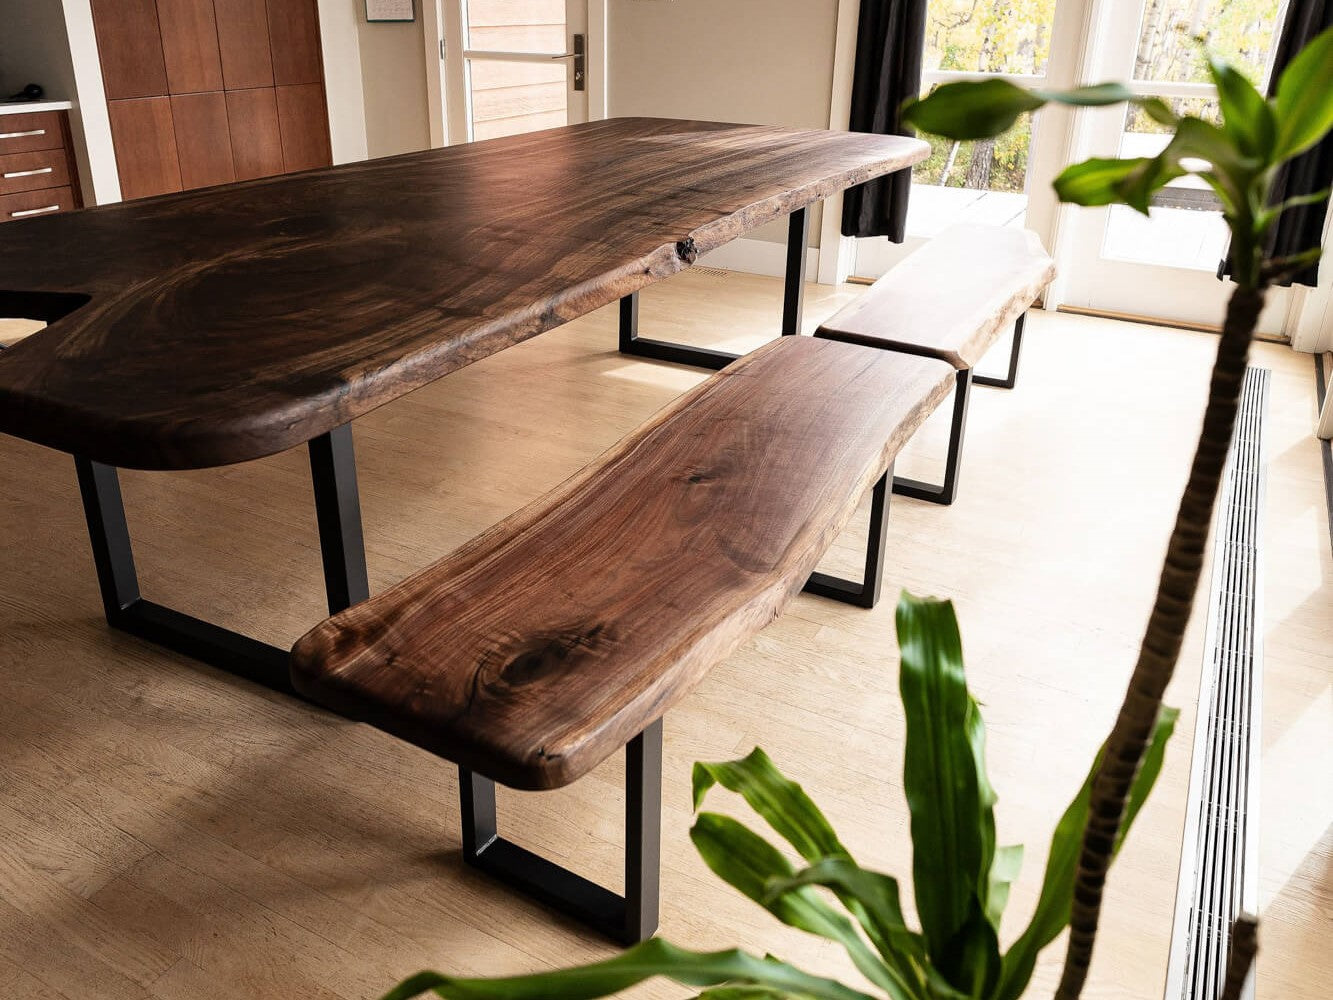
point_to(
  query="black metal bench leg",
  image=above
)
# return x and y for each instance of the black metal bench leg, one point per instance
(627, 919)
(793, 307)
(334, 476)
(1008, 381)
(946, 492)
(865, 593)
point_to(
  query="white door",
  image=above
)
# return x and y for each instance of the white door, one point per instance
(513, 66)
(1164, 266)
(1005, 181)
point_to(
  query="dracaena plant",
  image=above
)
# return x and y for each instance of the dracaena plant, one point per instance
(960, 876)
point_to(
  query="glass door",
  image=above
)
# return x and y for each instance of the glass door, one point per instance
(513, 66)
(1163, 266)
(1003, 181)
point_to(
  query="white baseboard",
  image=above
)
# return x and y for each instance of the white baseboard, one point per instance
(758, 257)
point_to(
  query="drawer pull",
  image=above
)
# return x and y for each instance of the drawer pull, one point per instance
(22, 135)
(34, 211)
(28, 173)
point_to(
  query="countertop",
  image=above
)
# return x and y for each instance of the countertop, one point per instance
(28, 107)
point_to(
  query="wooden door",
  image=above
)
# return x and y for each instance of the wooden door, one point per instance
(207, 92)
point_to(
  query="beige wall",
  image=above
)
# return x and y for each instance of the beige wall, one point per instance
(762, 62)
(393, 81)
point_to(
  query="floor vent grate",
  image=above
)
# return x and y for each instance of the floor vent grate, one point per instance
(1218, 865)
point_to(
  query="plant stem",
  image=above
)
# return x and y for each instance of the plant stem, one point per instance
(1163, 637)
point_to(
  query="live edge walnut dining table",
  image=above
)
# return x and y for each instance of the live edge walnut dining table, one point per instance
(230, 323)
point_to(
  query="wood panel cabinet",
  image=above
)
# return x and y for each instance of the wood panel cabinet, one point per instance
(144, 135)
(243, 41)
(293, 29)
(208, 91)
(305, 136)
(129, 44)
(190, 45)
(256, 139)
(203, 139)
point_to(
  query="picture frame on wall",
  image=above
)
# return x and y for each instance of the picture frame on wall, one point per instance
(390, 11)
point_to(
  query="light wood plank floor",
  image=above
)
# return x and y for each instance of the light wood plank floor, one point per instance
(168, 831)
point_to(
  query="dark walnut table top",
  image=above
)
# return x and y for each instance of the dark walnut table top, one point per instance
(230, 323)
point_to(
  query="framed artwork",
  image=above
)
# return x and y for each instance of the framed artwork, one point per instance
(390, 10)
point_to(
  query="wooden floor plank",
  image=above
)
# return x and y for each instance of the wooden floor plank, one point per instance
(148, 778)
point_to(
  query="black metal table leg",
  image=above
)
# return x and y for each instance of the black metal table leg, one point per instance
(863, 593)
(793, 293)
(1008, 381)
(338, 510)
(334, 474)
(946, 492)
(793, 305)
(627, 919)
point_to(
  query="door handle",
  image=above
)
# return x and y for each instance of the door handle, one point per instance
(579, 55)
(22, 135)
(34, 211)
(28, 173)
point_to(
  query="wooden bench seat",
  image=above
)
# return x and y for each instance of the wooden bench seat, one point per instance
(952, 299)
(565, 632)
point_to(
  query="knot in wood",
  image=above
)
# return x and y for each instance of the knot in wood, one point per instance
(687, 251)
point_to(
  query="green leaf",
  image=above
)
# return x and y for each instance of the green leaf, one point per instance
(748, 863)
(1158, 110)
(781, 802)
(873, 899)
(948, 793)
(1136, 189)
(970, 109)
(1093, 96)
(784, 805)
(1057, 888)
(1096, 181)
(1246, 117)
(644, 961)
(1305, 98)
(748, 993)
(1008, 862)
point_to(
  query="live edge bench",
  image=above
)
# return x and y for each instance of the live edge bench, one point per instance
(951, 300)
(564, 633)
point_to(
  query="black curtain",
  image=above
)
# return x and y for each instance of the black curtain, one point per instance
(890, 42)
(1302, 228)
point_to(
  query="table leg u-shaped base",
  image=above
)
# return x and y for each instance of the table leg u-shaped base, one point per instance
(1008, 381)
(947, 491)
(338, 509)
(627, 919)
(863, 593)
(793, 308)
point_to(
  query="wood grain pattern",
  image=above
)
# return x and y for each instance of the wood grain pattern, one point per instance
(293, 28)
(253, 317)
(544, 645)
(303, 121)
(243, 44)
(256, 139)
(952, 298)
(190, 45)
(203, 140)
(129, 46)
(144, 135)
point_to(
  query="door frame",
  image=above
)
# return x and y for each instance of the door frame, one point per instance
(439, 47)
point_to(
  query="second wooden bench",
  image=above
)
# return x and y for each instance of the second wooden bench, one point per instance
(952, 299)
